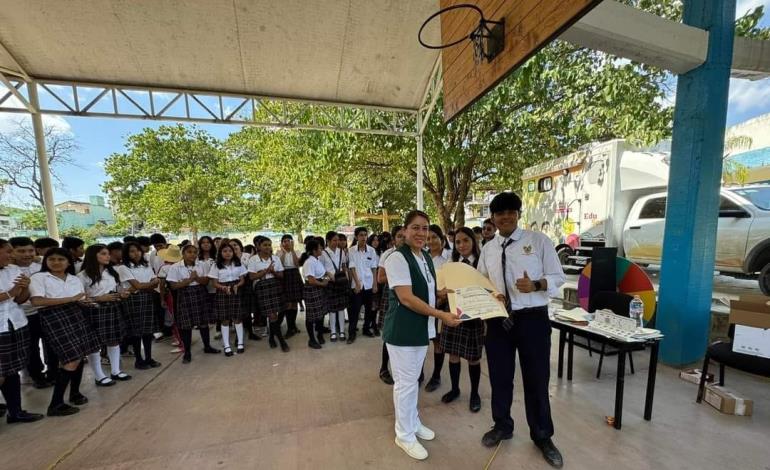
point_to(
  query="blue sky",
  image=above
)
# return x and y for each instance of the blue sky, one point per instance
(98, 138)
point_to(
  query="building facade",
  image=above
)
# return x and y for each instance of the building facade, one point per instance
(84, 214)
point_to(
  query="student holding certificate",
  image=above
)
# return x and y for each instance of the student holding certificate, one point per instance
(413, 295)
(524, 266)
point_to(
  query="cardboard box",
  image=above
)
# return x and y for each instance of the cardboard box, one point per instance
(693, 376)
(727, 401)
(751, 316)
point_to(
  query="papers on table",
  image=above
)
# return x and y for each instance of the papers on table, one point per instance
(607, 323)
(576, 315)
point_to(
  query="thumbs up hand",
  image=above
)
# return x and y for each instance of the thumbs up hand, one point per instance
(525, 285)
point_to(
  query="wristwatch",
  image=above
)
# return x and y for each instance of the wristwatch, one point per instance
(538, 286)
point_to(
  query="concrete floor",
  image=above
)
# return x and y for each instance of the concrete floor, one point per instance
(327, 409)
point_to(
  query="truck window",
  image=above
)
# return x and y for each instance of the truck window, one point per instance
(654, 209)
(544, 184)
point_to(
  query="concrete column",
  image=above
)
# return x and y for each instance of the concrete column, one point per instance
(42, 161)
(686, 279)
(420, 163)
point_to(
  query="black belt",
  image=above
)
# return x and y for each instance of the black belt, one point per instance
(512, 314)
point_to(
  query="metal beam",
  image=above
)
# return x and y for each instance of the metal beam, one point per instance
(13, 89)
(431, 95)
(84, 99)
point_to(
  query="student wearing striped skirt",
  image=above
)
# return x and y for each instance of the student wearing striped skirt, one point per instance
(397, 241)
(466, 340)
(436, 248)
(57, 293)
(292, 283)
(228, 276)
(316, 281)
(138, 278)
(266, 270)
(104, 312)
(14, 335)
(207, 257)
(338, 293)
(188, 281)
(248, 302)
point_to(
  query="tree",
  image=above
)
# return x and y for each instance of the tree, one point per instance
(18, 156)
(35, 219)
(174, 178)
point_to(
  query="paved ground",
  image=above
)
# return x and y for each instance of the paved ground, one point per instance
(328, 410)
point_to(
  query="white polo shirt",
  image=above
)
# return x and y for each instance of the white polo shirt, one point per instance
(397, 270)
(332, 259)
(363, 261)
(179, 272)
(287, 260)
(10, 311)
(51, 287)
(313, 267)
(33, 268)
(136, 273)
(106, 285)
(529, 251)
(229, 273)
(257, 264)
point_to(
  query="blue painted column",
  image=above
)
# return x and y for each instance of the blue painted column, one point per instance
(686, 279)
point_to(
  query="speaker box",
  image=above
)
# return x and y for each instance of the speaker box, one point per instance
(602, 273)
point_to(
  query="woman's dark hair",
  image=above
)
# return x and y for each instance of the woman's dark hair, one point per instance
(143, 241)
(249, 249)
(157, 238)
(71, 243)
(330, 236)
(320, 241)
(439, 233)
(3, 242)
(184, 242)
(310, 247)
(258, 240)
(116, 246)
(212, 252)
(130, 238)
(413, 214)
(395, 230)
(225, 245)
(307, 239)
(46, 242)
(385, 239)
(286, 236)
(341, 237)
(237, 242)
(371, 238)
(91, 264)
(126, 259)
(63, 252)
(475, 245)
(187, 248)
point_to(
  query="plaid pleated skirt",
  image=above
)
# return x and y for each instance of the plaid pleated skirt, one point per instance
(292, 285)
(139, 313)
(107, 322)
(227, 307)
(14, 349)
(383, 307)
(465, 340)
(67, 331)
(191, 307)
(269, 297)
(315, 302)
(337, 298)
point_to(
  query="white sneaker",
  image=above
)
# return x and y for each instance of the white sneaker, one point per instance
(414, 449)
(426, 434)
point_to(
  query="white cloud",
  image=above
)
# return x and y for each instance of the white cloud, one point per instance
(746, 95)
(8, 121)
(745, 5)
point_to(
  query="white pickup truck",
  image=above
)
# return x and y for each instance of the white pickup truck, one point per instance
(743, 233)
(614, 194)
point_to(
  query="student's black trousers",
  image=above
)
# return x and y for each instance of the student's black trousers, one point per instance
(530, 337)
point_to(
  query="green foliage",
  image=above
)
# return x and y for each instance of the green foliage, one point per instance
(35, 219)
(173, 178)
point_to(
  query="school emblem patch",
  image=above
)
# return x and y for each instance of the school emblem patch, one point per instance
(527, 249)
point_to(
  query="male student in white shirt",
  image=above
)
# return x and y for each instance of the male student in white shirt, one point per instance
(363, 268)
(523, 265)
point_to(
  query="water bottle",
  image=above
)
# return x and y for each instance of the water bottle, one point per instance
(636, 311)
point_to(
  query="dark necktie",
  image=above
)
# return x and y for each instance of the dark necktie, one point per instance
(465, 260)
(505, 281)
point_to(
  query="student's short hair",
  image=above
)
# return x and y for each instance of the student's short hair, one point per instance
(487, 221)
(71, 243)
(330, 235)
(286, 236)
(116, 246)
(506, 201)
(184, 243)
(46, 242)
(20, 241)
(143, 241)
(156, 238)
(359, 230)
(477, 229)
(130, 238)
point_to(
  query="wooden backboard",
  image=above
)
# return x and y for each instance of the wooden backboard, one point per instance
(529, 25)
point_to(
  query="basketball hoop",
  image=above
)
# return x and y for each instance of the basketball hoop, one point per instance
(488, 37)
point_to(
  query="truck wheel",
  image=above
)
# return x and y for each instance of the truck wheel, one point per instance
(764, 279)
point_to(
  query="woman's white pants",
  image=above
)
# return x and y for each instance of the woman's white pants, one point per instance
(406, 365)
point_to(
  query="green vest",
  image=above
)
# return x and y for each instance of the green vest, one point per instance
(404, 327)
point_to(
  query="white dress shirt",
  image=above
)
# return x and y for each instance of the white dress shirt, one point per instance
(179, 272)
(313, 267)
(529, 251)
(105, 286)
(363, 261)
(287, 260)
(10, 311)
(48, 286)
(29, 271)
(332, 260)
(137, 273)
(229, 273)
(257, 264)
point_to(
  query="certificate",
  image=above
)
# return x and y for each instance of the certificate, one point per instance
(471, 295)
(475, 302)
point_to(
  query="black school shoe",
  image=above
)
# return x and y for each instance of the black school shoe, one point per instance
(475, 404)
(432, 384)
(494, 436)
(550, 453)
(78, 399)
(152, 363)
(122, 376)
(24, 417)
(141, 365)
(62, 409)
(210, 350)
(386, 377)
